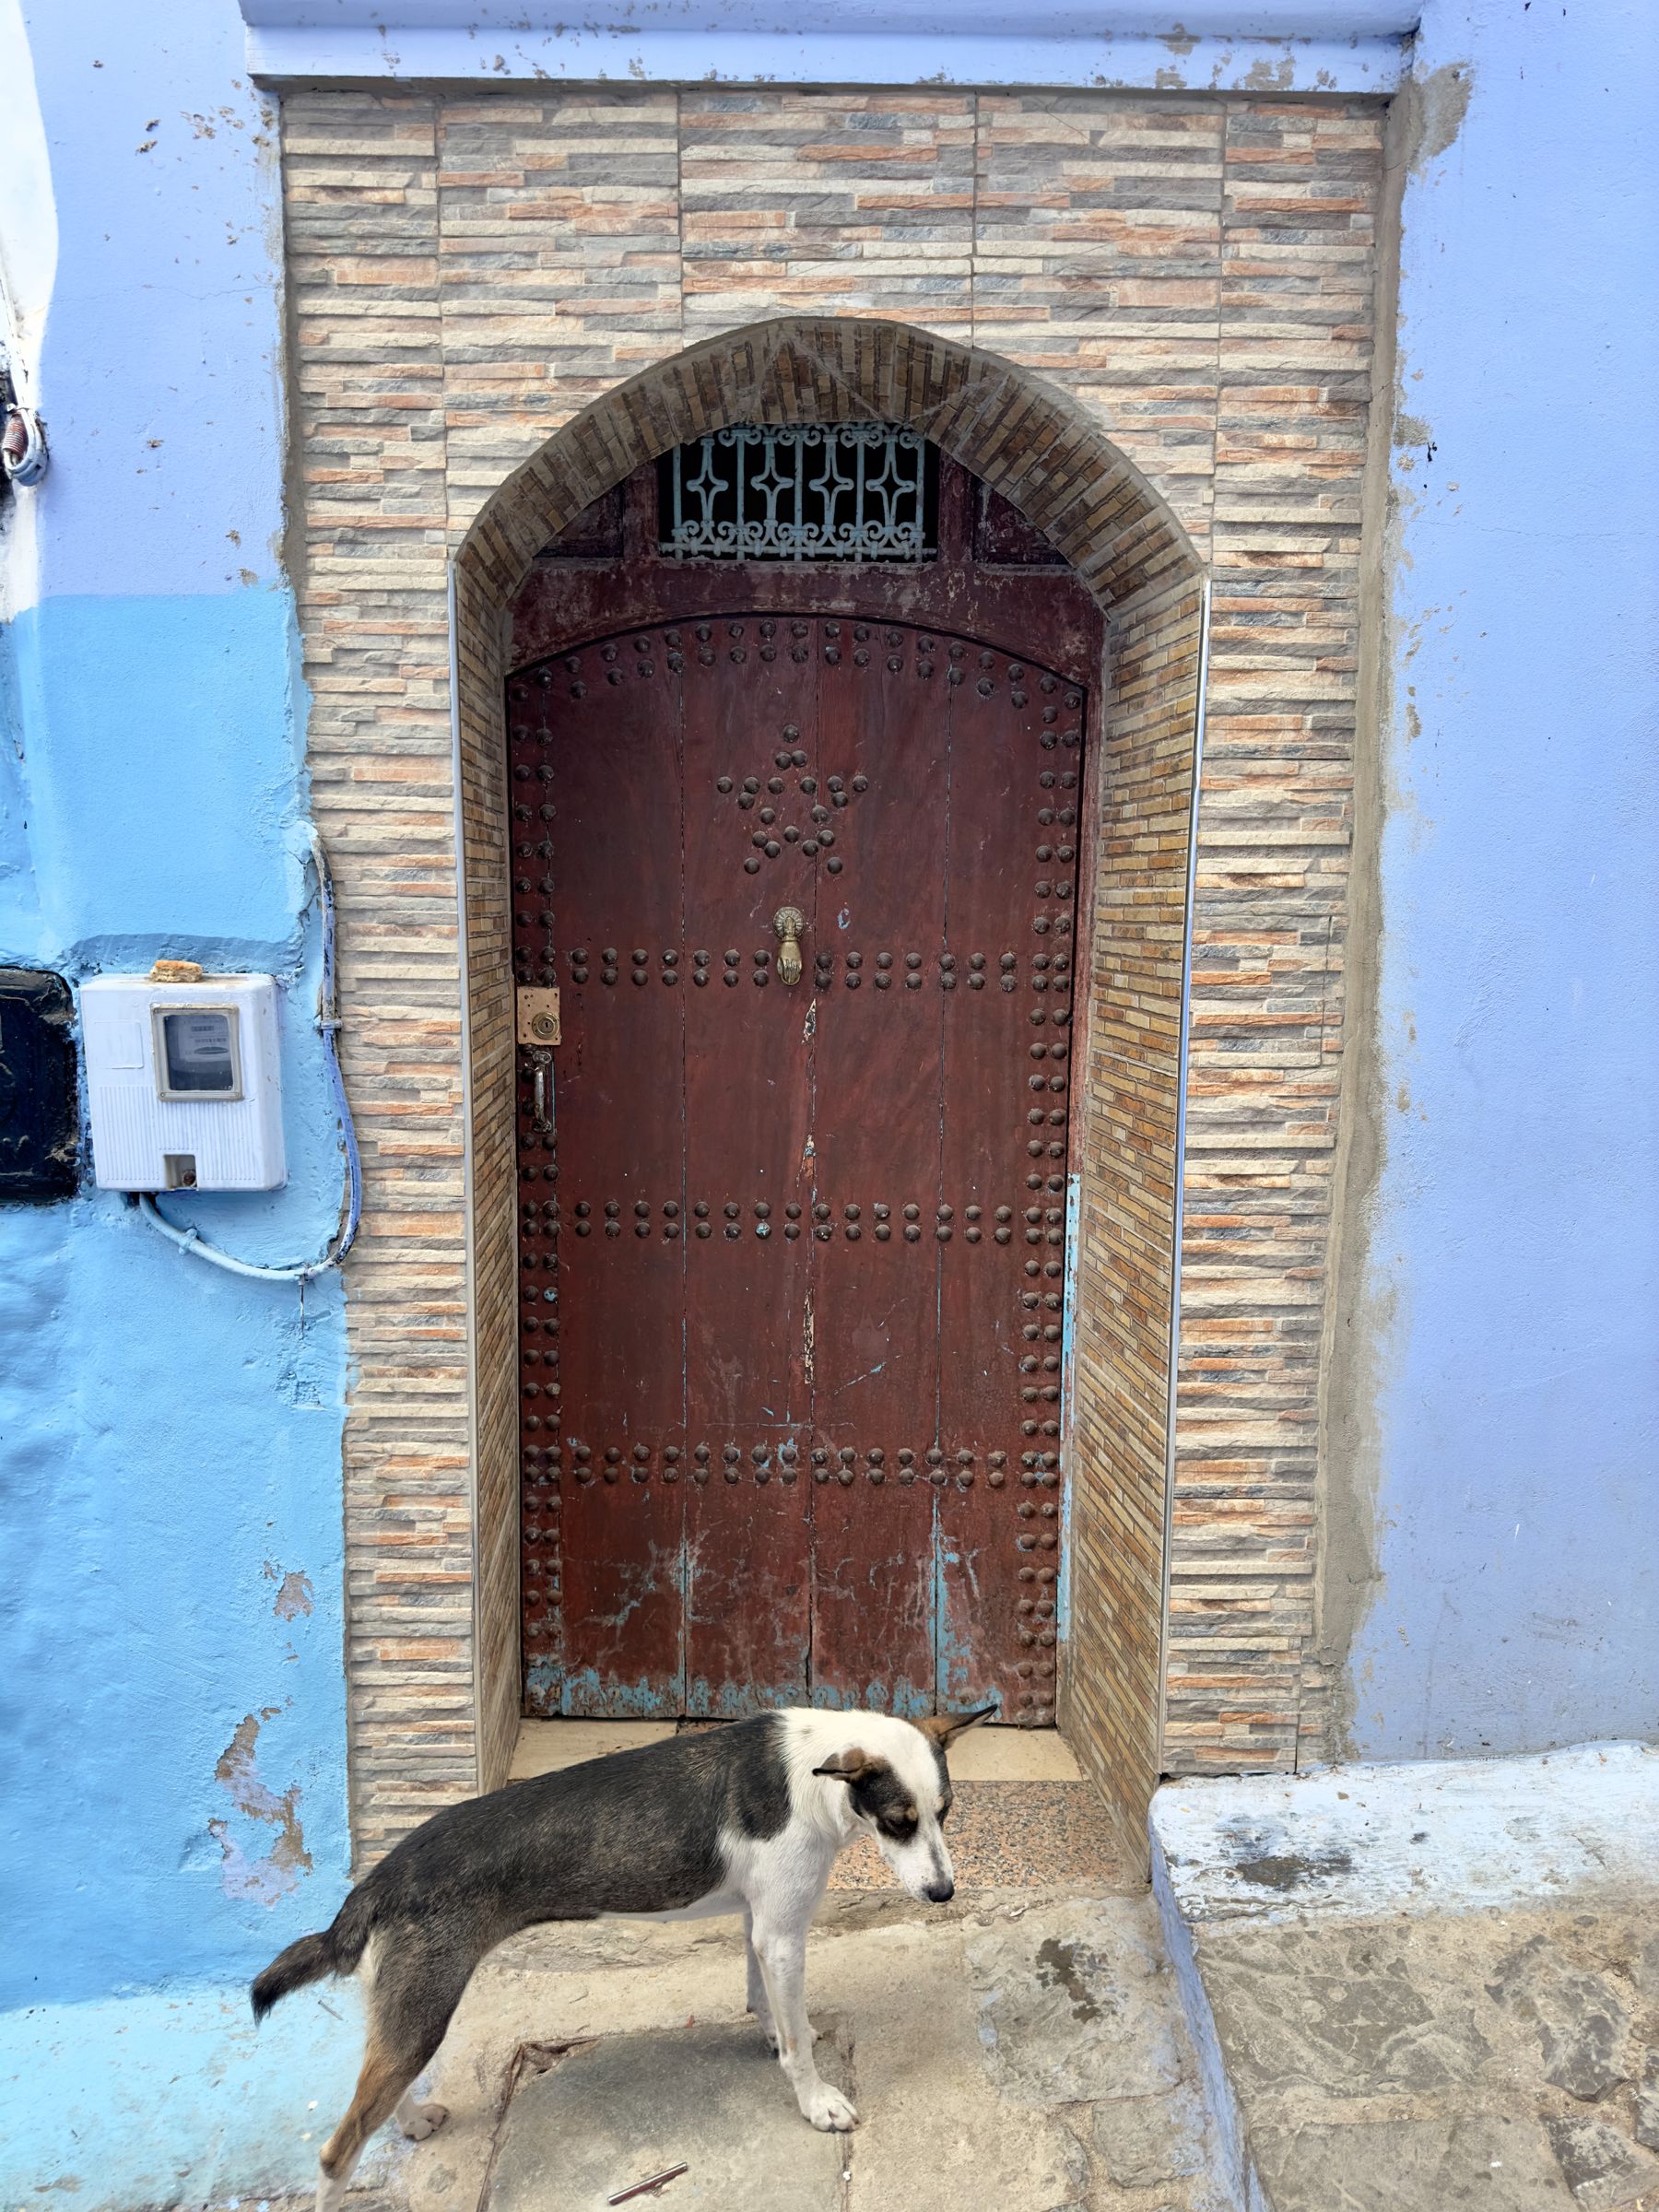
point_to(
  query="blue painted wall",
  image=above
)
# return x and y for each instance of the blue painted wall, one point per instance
(172, 1688)
(1514, 1267)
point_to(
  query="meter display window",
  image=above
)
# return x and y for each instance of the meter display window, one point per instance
(196, 1052)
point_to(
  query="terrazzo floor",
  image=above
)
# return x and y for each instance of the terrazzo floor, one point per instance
(1011, 1835)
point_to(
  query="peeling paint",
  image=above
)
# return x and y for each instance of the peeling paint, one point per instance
(1441, 104)
(274, 1875)
(295, 1597)
(1269, 77)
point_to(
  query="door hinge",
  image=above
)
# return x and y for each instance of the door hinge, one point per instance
(538, 1017)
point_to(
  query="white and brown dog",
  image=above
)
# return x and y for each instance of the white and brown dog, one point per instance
(746, 1819)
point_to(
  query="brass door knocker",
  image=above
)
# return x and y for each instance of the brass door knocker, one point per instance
(790, 923)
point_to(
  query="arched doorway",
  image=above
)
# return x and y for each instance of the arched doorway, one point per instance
(797, 723)
(1085, 500)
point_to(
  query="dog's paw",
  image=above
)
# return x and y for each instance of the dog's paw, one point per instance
(830, 2111)
(420, 2121)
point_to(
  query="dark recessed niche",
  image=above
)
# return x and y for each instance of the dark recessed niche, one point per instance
(1004, 539)
(596, 534)
(40, 1105)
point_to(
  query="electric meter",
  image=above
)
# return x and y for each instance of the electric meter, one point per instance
(183, 1081)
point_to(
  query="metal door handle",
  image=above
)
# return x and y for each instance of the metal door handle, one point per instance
(791, 925)
(538, 1094)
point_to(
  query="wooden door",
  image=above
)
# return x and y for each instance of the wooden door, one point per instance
(793, 1255)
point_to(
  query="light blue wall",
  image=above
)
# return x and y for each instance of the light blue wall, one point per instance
(1513, 1246)
(171, 1685)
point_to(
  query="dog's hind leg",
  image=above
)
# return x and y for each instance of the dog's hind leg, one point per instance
(415, 1991)
(381, 2083)
(782, 1955)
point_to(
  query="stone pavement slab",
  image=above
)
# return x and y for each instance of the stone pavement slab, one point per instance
(1075, 2004)
(1425, 1986)
(1486, 2159)
(616, 2112)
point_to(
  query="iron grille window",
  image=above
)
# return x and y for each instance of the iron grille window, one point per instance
(822, 491)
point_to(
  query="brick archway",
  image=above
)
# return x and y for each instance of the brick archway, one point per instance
(1044, 455)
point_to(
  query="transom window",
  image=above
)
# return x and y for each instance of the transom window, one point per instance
(852, 491)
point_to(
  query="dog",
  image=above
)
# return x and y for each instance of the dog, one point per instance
(747, 1818)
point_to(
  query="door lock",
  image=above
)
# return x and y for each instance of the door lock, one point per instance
(537, 1024)
(538, 1017)
(790, 923)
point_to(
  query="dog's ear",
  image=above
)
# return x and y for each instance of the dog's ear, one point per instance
(942, 1729)
(847, 1766)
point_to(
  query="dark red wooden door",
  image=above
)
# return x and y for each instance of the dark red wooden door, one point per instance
(793, 1256)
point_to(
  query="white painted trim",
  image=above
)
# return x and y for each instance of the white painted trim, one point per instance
(1179, 1193)
(473, 51)
(1227, 2121)
(1408, 1837)
(468, 1235)
(1177, 24)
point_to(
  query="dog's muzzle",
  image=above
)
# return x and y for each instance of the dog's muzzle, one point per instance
(940, 1892)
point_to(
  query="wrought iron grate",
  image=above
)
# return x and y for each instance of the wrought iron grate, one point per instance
(821, 491)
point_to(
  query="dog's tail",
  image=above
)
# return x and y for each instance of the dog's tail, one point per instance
(336, 1951)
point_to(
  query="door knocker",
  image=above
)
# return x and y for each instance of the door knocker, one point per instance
(790, 923)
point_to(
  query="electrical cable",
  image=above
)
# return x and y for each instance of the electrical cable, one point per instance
(351, 1198)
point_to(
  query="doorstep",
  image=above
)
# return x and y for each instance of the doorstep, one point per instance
(1023, 1816)
(987, 1754)
(1418, 1986)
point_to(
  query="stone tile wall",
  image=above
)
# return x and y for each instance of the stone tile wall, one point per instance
(1188, 279)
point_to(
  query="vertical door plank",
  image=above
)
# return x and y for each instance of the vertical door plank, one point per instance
(1015, 741)
(613, 744)
(874, 1250)
(748, 711)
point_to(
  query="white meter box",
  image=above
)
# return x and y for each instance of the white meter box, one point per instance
(185, 1083)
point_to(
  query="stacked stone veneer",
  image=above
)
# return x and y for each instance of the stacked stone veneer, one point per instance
(1147, 320)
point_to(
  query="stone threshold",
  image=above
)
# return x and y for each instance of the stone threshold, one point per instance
(1419, 1985)
(984, 1754)
(1024, 1817)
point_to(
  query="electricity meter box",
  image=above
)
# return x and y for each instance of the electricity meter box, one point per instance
(184, 1083)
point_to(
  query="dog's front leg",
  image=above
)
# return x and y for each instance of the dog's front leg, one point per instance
(758, 2001)
(781, 1954)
